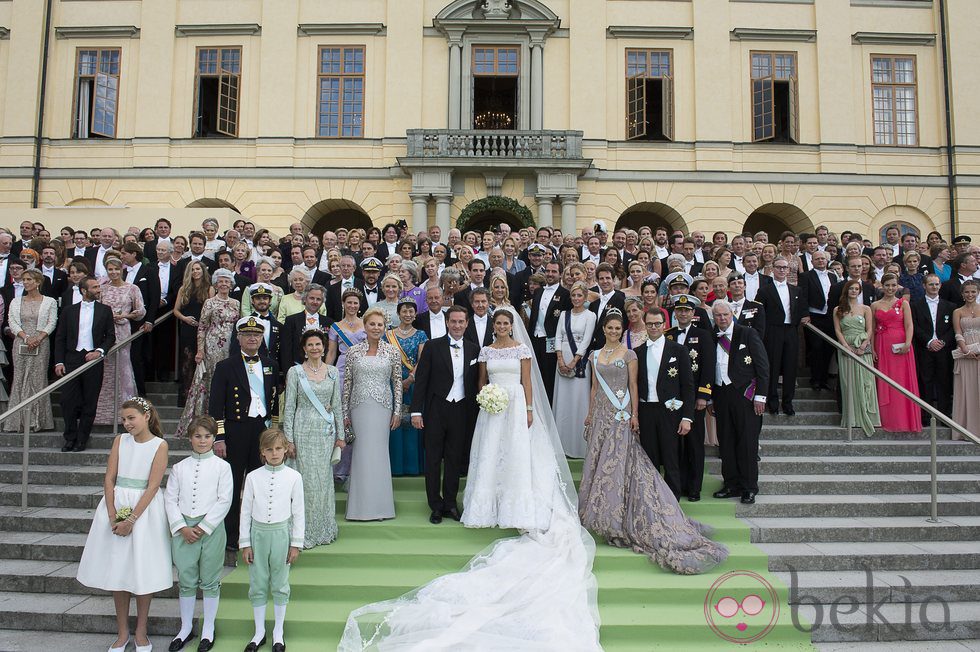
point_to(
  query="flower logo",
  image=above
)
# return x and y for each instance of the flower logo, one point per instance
(694, 353)
(672, 372)
(748, 359)
(741, 607)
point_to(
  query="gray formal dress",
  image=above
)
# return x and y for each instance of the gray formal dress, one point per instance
(372, 389)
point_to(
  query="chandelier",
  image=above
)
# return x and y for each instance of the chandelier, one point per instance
(491, 119)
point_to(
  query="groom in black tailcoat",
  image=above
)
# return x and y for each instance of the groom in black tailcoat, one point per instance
(548, 302)
(445, 394)
(666, 398)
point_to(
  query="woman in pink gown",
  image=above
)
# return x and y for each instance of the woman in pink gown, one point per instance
(893, 350)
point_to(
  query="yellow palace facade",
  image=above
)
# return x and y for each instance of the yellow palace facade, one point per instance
(696, 114)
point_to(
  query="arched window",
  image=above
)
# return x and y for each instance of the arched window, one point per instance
(903, 228)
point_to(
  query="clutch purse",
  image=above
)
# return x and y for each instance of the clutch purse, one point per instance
(970, 349)
(335, 457)
(897, 348)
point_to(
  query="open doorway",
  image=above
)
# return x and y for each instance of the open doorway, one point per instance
(495, 103)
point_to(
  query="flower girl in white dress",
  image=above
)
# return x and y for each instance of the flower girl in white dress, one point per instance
(128, 547)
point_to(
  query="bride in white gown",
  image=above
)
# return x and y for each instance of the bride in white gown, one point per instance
(533, 592)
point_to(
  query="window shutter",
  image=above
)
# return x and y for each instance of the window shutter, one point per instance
(763, 123)
(794, 110)
(667, 102)
(106, 105)
(227, 104)
(636, 108)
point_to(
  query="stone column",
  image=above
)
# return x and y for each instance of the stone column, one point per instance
(443, 205)
(537, 86)
(569, 204)
(455, 83)
(420, 212)
(546, 210)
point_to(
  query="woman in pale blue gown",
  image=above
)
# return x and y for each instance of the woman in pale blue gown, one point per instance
(311, 418)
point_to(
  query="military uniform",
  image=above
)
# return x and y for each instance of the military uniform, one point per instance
(243, 406)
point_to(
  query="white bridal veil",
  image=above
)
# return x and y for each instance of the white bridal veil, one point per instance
(532, 592)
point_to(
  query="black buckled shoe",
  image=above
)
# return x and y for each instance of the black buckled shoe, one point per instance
(279, 647)
(252, 646)
(435, 517)
(748, 498)
(205, 645)
(693, 498)
(727, 493)
(178, 644)
(451, 513)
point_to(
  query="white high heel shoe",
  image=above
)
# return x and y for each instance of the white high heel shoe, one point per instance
(144, 648)
(124, 646)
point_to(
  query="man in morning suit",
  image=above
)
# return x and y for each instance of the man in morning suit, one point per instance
(701, 350)
(290, 353)
(335, 308)
(933, 341)
(964, 267)
(480, 329)
(86, 330)
(56, 279)
(244, 402)
(816, 285)
(785, 305)
(745, 312)
(432, 322)
(868, 292)
(741, 367)
(445, 388)
(609, 297)
(147, 280)
(547, 303)
(666, 398)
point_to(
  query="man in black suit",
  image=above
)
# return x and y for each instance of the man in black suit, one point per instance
(785, 305)
(371, 269)
(691, 266)
(313, 272)
(479, 330)
(197, 242)
(964, 267)
(741, 367)
(335, 309)
(478, 272)
(546, 304)
(432, 322)
(6, 255)
(754, 280)
(933, 341)
(701, 350)
(746, 313)
(165, 335)
(910, 243)
(56, 279)
(609, 297)
(86, 331)
(868, 292)
(295, 325)
(147, 279)
(591, 251)
(244, 402)
(162, 232)
(261, 297)
(665, 385)
(96, 255)
(445, 387)
(816, 285)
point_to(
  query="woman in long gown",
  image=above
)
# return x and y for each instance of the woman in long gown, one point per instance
(343, 335)
(571, 400)
(854, 326)
(126, 303)
(194, 291)
(372, 397)
(966, 361)
(214, 333)
(312, 429)
(893, 349)
(32, 320)
(405, 442)
(622, 496)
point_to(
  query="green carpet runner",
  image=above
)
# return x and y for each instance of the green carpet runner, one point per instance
(641, 606)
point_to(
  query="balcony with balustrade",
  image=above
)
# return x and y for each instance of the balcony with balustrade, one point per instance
(482, 149)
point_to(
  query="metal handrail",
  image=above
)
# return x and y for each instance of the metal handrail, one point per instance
(936, 416)
(61, 382)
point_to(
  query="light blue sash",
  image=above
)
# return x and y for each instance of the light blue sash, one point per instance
(617, 402)
(304, 382)
(257, 384)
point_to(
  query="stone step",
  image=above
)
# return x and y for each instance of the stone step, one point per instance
(80, 613)
(867, 484)
(44, 456)
(930, 620)
(960, 645)
(41, 546)
(813, 432)
(46, 519)
(858, 505)
(166, 409)
(888, 555)
(786, 466)
(32, 576)
(14, 640)
(877, 448)
(55, 439)
(43, 495)
(851, 529)
(867, 587)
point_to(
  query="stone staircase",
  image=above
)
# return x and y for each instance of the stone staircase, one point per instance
(842, 523)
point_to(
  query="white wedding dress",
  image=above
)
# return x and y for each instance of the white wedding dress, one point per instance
(533, 592)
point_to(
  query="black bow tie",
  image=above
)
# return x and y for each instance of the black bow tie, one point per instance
(252, 359)
(455, 346)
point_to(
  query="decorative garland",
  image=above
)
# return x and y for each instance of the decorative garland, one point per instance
(488, 204)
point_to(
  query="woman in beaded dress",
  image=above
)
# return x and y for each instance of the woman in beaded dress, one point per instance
(622, 496)
(126, 303)
(405, 443)
(371, 399)
(343, 335)
(32, 321)
(966, 360)
(313, 431)
(214, 333)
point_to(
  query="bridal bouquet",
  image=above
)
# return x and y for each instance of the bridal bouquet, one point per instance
(123, 513)
(492, 399)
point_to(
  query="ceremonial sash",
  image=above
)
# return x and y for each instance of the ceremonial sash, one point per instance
(727, 345)
(405, 361)
(341, 334)
(618, 402)
(304, 383)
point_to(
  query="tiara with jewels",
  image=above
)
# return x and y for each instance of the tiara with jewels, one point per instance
(614, 311)
(142, 402)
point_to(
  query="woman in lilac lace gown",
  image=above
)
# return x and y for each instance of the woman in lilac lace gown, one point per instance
(622, 496)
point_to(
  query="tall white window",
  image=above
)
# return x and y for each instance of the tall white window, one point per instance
(894, 97)
(96, 93)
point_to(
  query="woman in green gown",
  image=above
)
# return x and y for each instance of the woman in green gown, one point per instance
(311, 419)
(853, 323)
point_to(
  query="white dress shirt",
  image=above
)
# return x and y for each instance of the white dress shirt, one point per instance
(3, 269)
(603, 300)
(783, 290)
(662, 252)
(456, 392)
(737, 260)
(933, 305)
(752, 282)
(654, 353)
(131, 272)
(86, 313)
(437, 324)
(76, 295)
(481, 327)
(100, 262)
(273, 494)
(878, 273)
(682, 335)
(256, 407)
(49, 272)
(721, 359)
(825, 283)
(371, 295)
(688, 265)
(163, 270)
(18, 289)
(312, 320)
(896, 248)
(199, 485)
(547, 294)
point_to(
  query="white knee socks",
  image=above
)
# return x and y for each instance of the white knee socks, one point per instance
(186, 616)
(259, 613)
(210, 613)
(277, 632)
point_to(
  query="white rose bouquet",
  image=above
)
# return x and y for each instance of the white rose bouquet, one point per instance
(492, 399)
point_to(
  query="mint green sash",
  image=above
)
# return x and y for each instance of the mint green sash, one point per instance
(130, 483)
